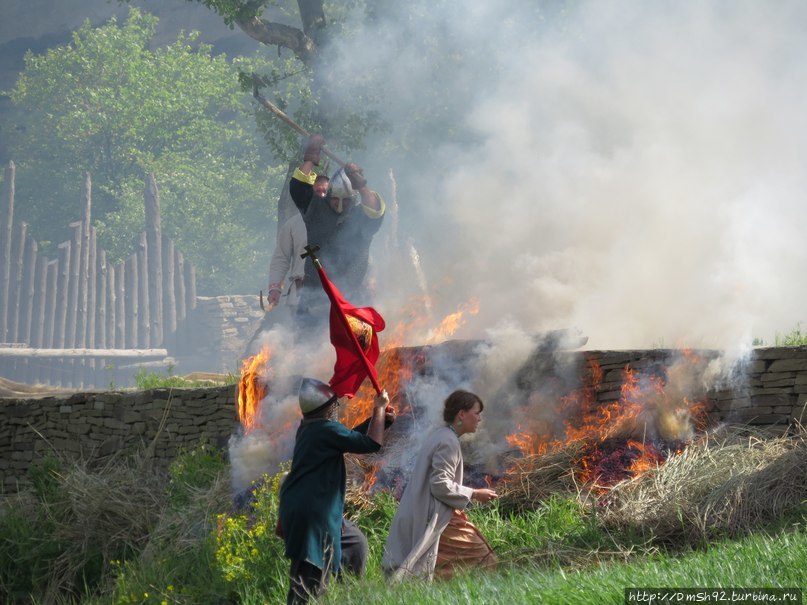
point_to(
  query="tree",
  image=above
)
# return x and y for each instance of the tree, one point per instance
(332, 84)
(107, 104)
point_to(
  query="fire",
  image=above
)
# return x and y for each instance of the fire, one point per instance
(652, 418)
(393, 373)
(527, 442)
(395, 365)
(453, 322)
(252, 389)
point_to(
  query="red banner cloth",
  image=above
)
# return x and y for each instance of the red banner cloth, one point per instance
(354, 336)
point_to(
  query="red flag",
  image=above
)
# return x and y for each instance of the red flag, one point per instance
(354, 335)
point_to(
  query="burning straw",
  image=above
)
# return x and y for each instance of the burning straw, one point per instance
(722, 485)
(534, 478)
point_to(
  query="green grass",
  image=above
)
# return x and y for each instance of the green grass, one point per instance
(795, 338)
(199, 551)
(762, 560)
(147, 380)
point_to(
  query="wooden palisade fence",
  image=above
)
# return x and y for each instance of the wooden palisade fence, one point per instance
(78, 319)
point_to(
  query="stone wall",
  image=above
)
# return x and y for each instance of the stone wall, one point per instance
(97, 425)
(770, 390)
(774, 393)
(216, 334)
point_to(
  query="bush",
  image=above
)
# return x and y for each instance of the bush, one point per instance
(248, 553)
(193, 471)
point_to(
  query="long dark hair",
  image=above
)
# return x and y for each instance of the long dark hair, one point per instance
(459, 400)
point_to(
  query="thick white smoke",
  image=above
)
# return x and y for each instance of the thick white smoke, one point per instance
(630, 170)
(633, 169)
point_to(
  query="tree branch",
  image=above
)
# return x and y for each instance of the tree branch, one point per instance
(277, 34)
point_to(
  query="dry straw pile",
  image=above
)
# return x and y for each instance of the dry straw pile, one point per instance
(722, 485)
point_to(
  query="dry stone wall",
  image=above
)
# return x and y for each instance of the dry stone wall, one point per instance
(769, 390)
(94, 426)
(216, 335)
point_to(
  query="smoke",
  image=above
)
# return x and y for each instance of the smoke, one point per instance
(270, 443)
(628, 169)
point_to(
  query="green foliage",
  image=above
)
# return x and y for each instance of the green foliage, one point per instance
(759, 560)
(197, 553)
(44, 475)
(193, 471)
(147, 380)
(27, 548)
(108, 105)
(795, 338)
(248, 553)
(231, 10)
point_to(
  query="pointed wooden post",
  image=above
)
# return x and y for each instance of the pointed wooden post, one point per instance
(52, 290)
(6, 221)
(40, 302)
(83, 265)
(92, 291)
(62, 298)
(102, 301)
(27, 292)
(169, 295)
(74, 286)
(143, 329)
(14, 292)
(121, 335)
(155, 262)
(132, 300)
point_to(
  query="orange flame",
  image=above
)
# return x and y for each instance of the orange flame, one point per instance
(616, 435)
(394, 366)
(252, 389)
(453, 322)
(393, 374)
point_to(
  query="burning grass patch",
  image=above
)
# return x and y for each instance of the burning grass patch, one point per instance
(725, 484)
(533, 479)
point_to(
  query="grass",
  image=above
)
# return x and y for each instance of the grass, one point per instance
(126, 533)
(760, 560)
(146, 380)
(795, 338)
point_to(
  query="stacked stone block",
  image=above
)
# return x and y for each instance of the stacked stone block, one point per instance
(97, 425)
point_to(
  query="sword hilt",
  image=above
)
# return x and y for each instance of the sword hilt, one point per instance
(312, 252)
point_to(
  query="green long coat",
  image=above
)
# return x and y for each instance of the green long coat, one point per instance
(312, 497)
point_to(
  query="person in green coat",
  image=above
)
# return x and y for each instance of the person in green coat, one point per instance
(312, 496)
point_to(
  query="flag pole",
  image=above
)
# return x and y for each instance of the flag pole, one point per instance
(326, 285)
